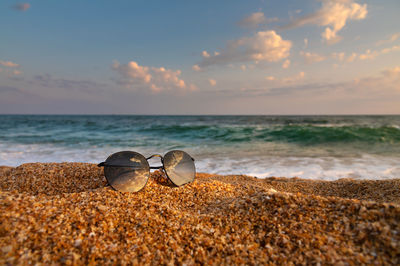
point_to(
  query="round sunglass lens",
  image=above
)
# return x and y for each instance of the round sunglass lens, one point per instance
(179, 167)
(127, 171)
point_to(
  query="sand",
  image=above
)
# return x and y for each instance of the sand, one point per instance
(66, 214)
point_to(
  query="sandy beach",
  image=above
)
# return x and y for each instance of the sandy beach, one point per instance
(200, 132)
(65, 213)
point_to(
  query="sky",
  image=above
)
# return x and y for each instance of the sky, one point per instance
(200, 57)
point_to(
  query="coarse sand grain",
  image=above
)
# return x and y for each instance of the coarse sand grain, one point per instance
(65, 213)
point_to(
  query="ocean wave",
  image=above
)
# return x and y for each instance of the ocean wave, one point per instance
(209, 139)
(301, 134)
(130, 130)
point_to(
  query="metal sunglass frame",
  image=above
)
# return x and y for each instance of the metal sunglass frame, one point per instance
(161, 167)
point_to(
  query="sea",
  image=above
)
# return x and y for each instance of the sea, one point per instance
(311, 147)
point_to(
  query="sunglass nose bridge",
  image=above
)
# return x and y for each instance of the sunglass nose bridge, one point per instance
(162, 161)
(155, 155)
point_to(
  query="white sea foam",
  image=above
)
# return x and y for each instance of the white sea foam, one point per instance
(223, 161)
(368, 167)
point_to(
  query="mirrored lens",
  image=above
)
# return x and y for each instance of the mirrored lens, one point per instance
(127, 171)
(179, 167)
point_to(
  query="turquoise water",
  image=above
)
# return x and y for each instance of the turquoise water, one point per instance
(327, 147)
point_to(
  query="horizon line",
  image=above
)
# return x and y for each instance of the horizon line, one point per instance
(125, 114)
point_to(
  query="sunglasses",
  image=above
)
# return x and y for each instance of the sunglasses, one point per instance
(129, 171)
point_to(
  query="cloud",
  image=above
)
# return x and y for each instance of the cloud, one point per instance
(245, 67)
(22, 6)
(212, 82)
(8, 89)
(339, 56)
(312, 57)
(391, 39)
(388, 80)
(10, 69)
(155, 79)
(196, 68)
(255, 19)
(205, 54)
(16, 72)
(165, 77)
(133, 71)
(295, 78)
(48, 81)
(8, 64)
(14, 92)
(369, 55)
(286, 64)
(377, 94)
(287, 80)
(305, 43)
(262, 46)
(392, 73)
(390, 49)
(383, 86)
(334, 15)
(351, 57)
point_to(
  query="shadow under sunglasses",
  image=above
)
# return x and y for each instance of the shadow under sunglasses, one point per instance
(129, 171)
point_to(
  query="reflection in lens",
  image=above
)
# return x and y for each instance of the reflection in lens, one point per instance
(127, 171)
(179, 167)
